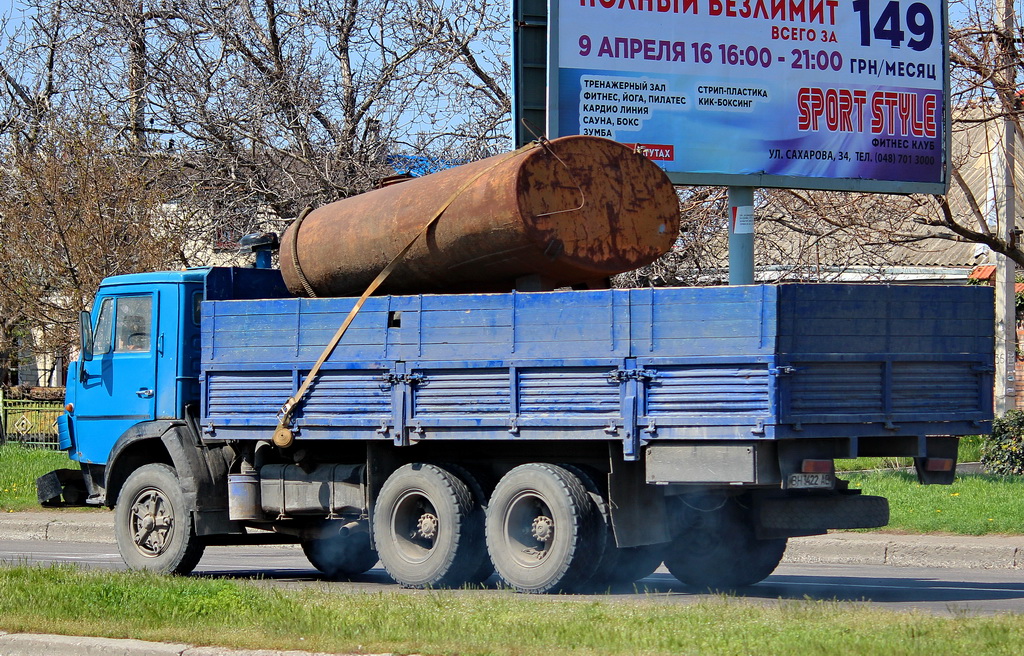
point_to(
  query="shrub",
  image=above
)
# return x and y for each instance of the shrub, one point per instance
(1003, 451)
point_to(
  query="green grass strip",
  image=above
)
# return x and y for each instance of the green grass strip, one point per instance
(969, 450)
(975, 504)
(61, 599)
(20, 466)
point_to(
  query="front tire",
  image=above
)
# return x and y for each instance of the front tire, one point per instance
(152, 524)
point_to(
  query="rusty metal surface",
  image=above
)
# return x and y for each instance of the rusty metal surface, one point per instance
(573, 211)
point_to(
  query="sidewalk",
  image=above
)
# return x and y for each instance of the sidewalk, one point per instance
(32, 644)
(983, 552)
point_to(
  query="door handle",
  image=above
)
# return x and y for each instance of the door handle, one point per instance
(144, 393)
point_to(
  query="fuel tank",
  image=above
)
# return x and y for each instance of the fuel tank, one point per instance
(571, 211)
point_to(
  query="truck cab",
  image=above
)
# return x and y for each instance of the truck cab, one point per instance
(139, 360)
(138, 369)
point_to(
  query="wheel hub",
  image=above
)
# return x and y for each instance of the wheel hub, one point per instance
(151, 522)
(426, 526)
(542, 529)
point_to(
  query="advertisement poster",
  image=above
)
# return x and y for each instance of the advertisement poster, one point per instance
(826, 89)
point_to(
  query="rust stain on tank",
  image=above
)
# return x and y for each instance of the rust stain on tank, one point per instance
(571, 211)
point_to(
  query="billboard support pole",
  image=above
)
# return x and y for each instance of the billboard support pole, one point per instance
(741, 235)
(1006, 324)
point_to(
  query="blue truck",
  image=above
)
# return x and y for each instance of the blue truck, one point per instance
(566, 439)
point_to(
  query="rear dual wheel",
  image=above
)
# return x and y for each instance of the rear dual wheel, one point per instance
(547, 529)
(428, 528)
(544, 531)
(618, 565)
(716, 546)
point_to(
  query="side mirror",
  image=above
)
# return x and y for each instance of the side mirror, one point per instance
(85, 335)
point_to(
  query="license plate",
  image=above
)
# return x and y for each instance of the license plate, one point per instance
(811, 481)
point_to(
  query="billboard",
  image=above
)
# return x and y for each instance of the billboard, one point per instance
(825, 94)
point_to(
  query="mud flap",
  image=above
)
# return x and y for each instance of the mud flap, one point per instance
(61, 487)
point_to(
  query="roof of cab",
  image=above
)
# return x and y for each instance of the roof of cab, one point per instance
(185, 275)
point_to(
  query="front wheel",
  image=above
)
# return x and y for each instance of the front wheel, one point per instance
(153, 527)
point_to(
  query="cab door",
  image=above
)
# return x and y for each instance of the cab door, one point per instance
(117, 387)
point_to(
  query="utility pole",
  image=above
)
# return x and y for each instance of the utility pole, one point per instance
(1006, 323)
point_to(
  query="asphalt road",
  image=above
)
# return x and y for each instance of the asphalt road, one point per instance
(943, 591)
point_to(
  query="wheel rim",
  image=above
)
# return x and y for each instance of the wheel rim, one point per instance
(529, 529)
(414, 527)
(152, 522)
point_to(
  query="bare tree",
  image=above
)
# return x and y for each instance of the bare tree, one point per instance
(283, 103)
(139, 133)
(72, 212)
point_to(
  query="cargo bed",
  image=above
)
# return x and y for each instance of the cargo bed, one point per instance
(864, 363)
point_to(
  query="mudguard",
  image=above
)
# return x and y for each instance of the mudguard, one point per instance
(202, 470)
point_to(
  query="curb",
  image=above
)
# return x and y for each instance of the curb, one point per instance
(92, 526)
(946, 551)
(34, 644)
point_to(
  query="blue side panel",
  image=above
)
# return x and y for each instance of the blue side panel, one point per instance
(910, 359)
(703, 322)
(349, 396)
(751, 362)
(709, 353)
(702, 392)
(254, 396)
(449, 393)
(575, 393)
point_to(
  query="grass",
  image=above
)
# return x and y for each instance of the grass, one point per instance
(975, 504)
(969, 451)
(61, 599)
(19, 468)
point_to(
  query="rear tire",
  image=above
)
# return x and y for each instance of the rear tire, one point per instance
(544, 532)
(634, 563)
(618, 565)
(153, 526)
(340, 556)
(473, 479)
(427, 528)
(716, 547)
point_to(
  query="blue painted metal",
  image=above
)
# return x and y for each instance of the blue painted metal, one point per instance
(753, 362)
(629, 366)
(64, 441)
(420, 165)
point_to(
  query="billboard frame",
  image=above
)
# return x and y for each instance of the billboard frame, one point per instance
(527, 17)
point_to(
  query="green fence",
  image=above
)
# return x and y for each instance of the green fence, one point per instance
(32, 423)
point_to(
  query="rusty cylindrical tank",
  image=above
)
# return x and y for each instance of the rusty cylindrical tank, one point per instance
(571, 211)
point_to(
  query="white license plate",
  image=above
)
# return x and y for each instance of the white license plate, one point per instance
(806, 481)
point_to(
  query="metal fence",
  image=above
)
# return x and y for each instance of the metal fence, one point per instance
(32, 423)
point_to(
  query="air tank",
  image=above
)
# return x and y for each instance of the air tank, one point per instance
(567, 212)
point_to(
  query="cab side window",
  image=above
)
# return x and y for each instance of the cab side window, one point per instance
(133, 326)
(101, 336)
